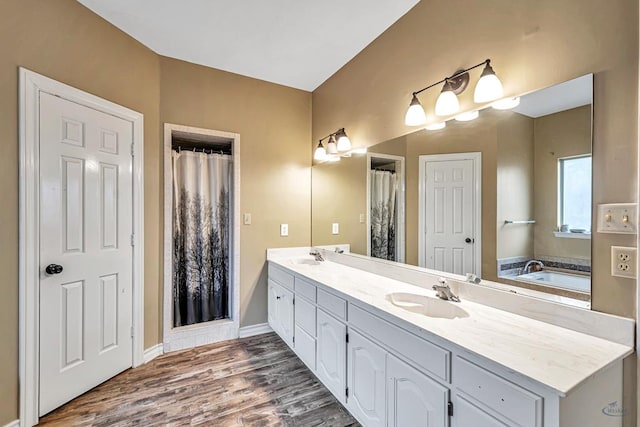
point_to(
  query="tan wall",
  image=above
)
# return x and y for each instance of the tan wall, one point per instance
(340, 195)
(65, 41)
(563, 134)
(274, 123)
(532, 45)
(515, 186)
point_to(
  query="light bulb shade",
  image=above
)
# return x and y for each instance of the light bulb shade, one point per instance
(506, 103)
(333, 159)
(344, 143)
(468, 116)
(320, 154)
(436, 126)
(489, 87)
(332, 148)
(447, 102)
(415, 113)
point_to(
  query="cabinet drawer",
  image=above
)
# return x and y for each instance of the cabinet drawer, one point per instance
(305, 348)
(306, 316)
(281, 276)
(507, 399)
(306, 289)
(333, 304)
(430, 357)
(469, 415)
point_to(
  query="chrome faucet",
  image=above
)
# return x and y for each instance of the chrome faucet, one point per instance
(317, 255)
(443, 291)
(527, 267)
(338, 250)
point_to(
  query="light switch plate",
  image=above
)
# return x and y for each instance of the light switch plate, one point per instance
(619, 218)
(624, 262)
(362, 219)
(335, 228)
(284, 230)
(247, 219)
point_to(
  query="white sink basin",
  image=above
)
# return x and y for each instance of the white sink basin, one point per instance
(305, 261)
(427, 306)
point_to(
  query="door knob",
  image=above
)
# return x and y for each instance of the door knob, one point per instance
(53, 269)
(468, 240)
(277, 297)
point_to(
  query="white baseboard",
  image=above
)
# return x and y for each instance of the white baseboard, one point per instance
(249, 331)
(14, 423)
(152, 352)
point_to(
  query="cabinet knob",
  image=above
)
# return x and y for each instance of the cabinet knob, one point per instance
(277, 297)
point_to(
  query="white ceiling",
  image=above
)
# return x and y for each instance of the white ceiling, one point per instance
(290, 42)
(561, 97)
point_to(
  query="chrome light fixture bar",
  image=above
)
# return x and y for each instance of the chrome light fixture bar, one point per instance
(488, 88)
(338, 144)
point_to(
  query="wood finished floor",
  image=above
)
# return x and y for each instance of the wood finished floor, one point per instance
(255, 381)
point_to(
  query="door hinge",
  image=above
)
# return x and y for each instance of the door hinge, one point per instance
(132, 332)
(346, 392)
(450, 409)
(347, 337)
(294, 339)
(133, 239)
(132, 150)
(294, 300)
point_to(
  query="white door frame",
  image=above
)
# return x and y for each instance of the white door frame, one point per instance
(477, 203)
(31, 84)
(401, 219)
(217, 330)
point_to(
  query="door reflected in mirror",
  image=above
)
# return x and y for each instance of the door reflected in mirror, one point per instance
(485, 196)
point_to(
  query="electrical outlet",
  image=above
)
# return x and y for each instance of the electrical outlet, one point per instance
(623, 261)
(335, 228)
(362, 218)
(284, 230)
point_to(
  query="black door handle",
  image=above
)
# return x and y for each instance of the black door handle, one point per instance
(469, 240)
(53, 269)
(277, 297)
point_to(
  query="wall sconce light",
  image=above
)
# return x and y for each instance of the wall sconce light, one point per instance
(488, 88)
(338, 145)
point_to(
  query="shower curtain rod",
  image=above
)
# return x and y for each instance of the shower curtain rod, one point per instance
(205, 150)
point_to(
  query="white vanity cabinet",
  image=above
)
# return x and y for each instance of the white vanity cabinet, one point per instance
(280, 311)
(388, 372)
(414, 399)
(366, 378)
(331, 354)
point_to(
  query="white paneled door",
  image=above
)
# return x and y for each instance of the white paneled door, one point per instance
(449, 215)
(86, 253)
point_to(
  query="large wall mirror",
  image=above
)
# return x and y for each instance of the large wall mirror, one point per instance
(506, 196)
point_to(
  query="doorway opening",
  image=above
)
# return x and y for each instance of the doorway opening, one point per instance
(386, 206)
(201, 283)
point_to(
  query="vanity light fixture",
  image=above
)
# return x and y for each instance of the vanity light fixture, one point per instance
(339, 144)
(332, 147)
(506, 104)
(488, 88)
(344, 143)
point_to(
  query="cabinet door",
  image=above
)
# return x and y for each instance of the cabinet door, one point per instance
(466, 414)
(414, 399)
(332, 349)
(272, 306)
(284, 301)
(366, 380)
